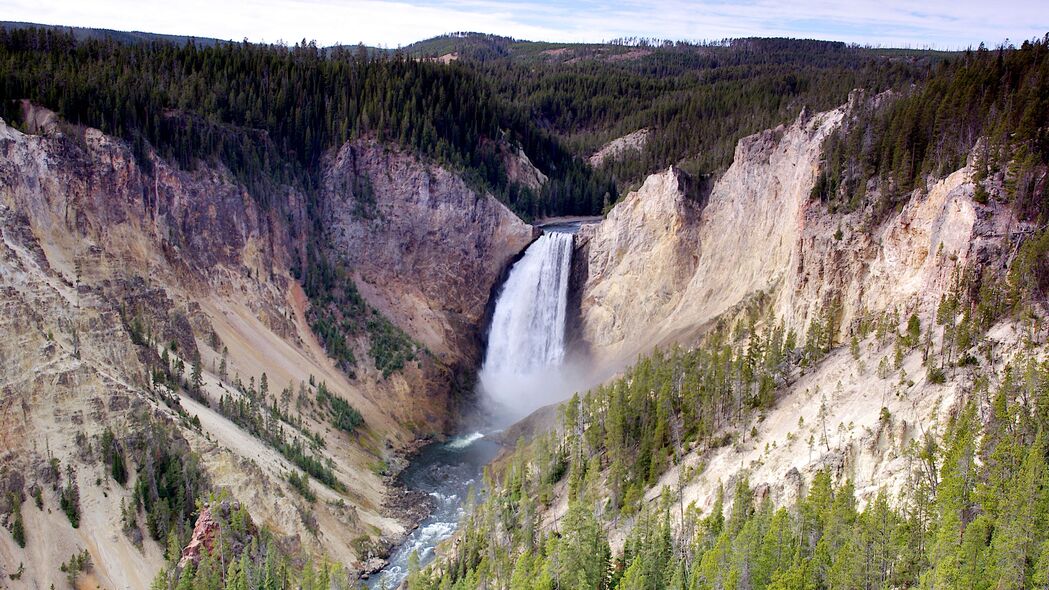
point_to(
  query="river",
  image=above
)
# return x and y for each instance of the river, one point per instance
(446, 471)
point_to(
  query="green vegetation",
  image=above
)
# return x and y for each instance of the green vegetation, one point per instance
(975, 514)
(1028, 279)
(669, 401)
(113, 456)
(169, 480)
(69, 497)
(246, 410)
(300, 482)
(254, 410)
(976, 511)
(17, 524)
(246, 556)
(698, 100)
(932, 128)
(78, 562)
(343, 416)
(338, 314)
(269, 113)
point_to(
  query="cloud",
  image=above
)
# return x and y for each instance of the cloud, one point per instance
(940, 23)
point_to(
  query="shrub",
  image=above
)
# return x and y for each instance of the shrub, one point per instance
(301, 484)
(936, 376)
(885, 416)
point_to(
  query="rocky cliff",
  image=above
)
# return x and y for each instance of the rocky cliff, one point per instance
(638, 262)
(620, 146)
(108, 261)
(662, 268)
(425, 248)
(760, 232)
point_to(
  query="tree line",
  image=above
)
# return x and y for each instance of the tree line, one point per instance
(698, 99)
(999, 96)
(270, 113)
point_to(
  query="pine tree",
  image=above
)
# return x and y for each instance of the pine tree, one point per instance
(582, 553)
(17, 525)
(954, 500)
(196, 376)
(1022, 524)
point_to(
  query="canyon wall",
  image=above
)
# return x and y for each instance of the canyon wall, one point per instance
(663, 268)
(695, 261)
(107, 261)
(426, 249)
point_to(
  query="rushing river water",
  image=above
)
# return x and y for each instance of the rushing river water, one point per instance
(445, 471)
(521, 372)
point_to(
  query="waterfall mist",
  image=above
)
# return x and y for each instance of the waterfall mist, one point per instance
(524, 367)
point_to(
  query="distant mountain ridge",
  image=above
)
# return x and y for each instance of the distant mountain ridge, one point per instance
(85, 33)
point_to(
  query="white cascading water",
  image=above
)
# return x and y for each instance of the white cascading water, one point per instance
(526, 341)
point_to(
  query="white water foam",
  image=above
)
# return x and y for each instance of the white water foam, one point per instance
(526, 342)
(461, 442)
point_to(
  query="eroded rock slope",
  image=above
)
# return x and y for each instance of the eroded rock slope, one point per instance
(663, 268)
(115, 272)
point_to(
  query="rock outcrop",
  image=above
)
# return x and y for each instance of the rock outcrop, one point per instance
(615, 149)
(519, 167)
(638, 261)
(760, 232)
(207, 529)
(696, 264)
(426, 249)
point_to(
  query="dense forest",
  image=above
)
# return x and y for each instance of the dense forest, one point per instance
(269, 113)
(698, 99)
(1000, 96)
(973, 516)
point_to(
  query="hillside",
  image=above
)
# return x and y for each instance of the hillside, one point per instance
(696, 99)
(154, 322)
(127, 37)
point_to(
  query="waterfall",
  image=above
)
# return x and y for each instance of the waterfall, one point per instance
(526, 341)
(523, 369)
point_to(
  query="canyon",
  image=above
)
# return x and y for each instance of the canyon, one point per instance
(98, 244)
(665, 267)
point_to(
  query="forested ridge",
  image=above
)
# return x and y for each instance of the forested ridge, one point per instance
(698, 99)
(270, 113)
(998, 96)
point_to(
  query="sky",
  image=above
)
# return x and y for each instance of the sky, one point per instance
(941, 24)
